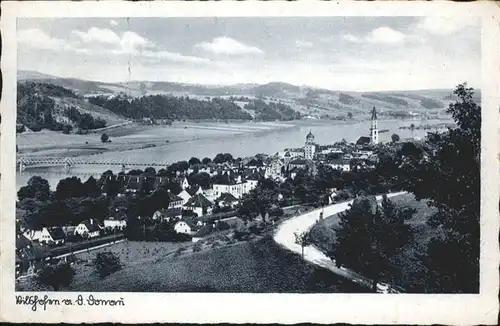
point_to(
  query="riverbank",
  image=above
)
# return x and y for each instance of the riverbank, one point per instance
(127, 137)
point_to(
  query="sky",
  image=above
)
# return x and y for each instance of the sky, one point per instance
(338, 53)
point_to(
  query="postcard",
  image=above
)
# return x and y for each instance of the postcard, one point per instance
(250, 162)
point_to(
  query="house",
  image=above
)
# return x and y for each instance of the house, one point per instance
(184, 183)
(175, 201)
(274, 169)
(159, 214)
(46, 235)
(185, 227)
(185, 196)
(340, 164)
(199, 204)
(194, 190)
(173, 213)
(292, 153)
(363, 140)
(28, 255)
(133, 184)
(298, 163)
(227, 184)
(68, 229)
(89, 228)
(115, 224)
(227, 200)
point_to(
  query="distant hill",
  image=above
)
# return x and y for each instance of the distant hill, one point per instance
(32, 75)
(42, 105)
(308, 101)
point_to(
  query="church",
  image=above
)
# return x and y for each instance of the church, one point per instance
(373, 139)
(309, 147)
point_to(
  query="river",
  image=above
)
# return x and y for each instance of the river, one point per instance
(239, 142)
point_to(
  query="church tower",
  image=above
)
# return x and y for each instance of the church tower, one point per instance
(374, 128)
(310, 147)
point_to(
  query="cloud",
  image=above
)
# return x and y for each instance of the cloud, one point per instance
(99, 41)
(352, 38)
(173, 57)
(228, 46)
(303, 44)
(444, 25)
(113, 22)
(100, 35)
(128, 42)
(384, 35)
(37, 39)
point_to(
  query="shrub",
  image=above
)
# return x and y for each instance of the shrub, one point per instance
(107, 263)
(179, 251)
(223, 225)
(104, 138)
(66, 129)
(241, 234)
(197, 246)
(56, 276)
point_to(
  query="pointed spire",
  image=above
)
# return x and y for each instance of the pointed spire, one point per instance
(374, 114)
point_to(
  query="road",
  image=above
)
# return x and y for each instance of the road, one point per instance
(285, 236)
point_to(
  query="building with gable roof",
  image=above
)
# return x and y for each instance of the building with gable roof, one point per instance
(199, 204)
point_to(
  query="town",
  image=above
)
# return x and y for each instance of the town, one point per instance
(189, 200)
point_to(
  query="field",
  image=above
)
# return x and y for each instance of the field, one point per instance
(256, 266)
(409, 272)
(130, 253)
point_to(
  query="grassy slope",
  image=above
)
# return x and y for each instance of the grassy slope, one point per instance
(258, 266)
(63, 103)
(409, 272)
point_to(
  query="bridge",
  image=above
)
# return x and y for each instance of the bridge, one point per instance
(25, 162)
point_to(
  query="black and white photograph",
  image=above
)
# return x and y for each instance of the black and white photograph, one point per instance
(248, 154)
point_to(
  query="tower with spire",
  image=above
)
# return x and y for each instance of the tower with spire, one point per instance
(374, 128)
(310, 147)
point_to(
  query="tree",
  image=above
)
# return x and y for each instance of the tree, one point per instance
(223, 158)
(447, 174)
(69, 188)
(37, 188)
(193, 161)
(66, 129)
(107, 263)
(257, 201)
(104, 138)
(150, 171)
(56, 276)
(395, 138)
(182, 166)
(111, 187)
(349, 115)
(206, 160)
(91, 188)
(201, 179)
(303, 240)
(369, 236)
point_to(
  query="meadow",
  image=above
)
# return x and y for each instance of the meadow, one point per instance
(256, 266)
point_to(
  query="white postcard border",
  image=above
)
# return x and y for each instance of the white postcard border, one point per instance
(262, 308)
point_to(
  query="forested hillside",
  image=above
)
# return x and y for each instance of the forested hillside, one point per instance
(39, 107)
(178, 108)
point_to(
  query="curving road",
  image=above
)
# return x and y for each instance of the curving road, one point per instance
(285, 236)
